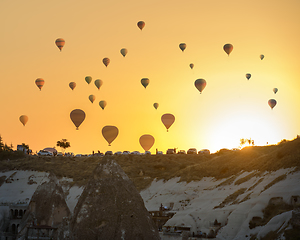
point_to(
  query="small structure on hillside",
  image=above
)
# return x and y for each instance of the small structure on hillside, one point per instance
(161, 216)
(40, 232)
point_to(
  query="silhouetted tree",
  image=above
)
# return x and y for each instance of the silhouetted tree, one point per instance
(64, 144)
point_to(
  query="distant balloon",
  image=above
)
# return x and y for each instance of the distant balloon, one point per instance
(102, 104)
(106, 61)
(228, 48)
(124, 51)
(272, 103)
(77, 116)
(248, 76)
(168, 119)
(146, 141)
(275, 90)
(192, 65)
(141, 25)
(155, 105)
(23, 119)
(92, 98)
(145, 82)
(262, 56)
(200, 84)
(110, 133)
(72, 85)
(60, 43)
(98, 83)
(182, 46)
(40, 83)
(88, 79)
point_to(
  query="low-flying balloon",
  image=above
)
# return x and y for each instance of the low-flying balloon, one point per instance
(124, 51)
(228, 48)
(155, 105)
(40, 83)
(141, 25)
(77, 116)
(146, 141)
(168, 119)
(248, 76)
(92, 98)
(272, 103)
(23, 119)
(106, 61)
(275, 90)
(192, 65)
(110, 133)
(88, 79)
(72, 85)
(98, 83)
(261, 56)
(145, 82)
(60, 43)
(182, 46)
(200, 84)
(102, 104)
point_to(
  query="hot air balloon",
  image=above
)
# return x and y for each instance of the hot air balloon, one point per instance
(124, 51)
(40, 83)
(110, 133)
(88, 79)
(228, 48)
(261, 56)
(98, 83)
(23, 119)
(72, 85)
(182, 46)
(102, 104)
(106, 61)
(200, 84)
(60, 43)
(146, 141)
(167, 119)
(248, 76)
(92, 98)
(155, 105)
(275, 90)
(77, 116)
(192, 65)
(272, 103)
(145, 82)
(141, 25)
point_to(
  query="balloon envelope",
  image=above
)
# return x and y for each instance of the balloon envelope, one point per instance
(145, 82)
(102, 104)
(141, 25)
(272, 103)
(60, 43)
(77, 116)
(92, 98)
(200, 84)
(182, 46)
(192, 65)
(275, 90)
(88, 79)
(147, 141)
(155, 105)
(248, 76)
(262, 56)
(106, 61)
(110, 133)
(72, 85)
(168, 119)
(124, 51)
(98, 83)
(40, 83)
(228, 48)
(23, 119)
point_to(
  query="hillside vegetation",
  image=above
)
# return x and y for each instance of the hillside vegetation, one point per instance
(143, 169)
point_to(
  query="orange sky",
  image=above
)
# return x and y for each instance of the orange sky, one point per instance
(230, 107)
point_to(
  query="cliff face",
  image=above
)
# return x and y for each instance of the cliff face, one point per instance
(110, 207)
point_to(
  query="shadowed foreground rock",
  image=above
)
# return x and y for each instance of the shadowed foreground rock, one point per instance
(111, 208)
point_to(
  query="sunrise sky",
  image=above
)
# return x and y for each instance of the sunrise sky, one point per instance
(229, 108)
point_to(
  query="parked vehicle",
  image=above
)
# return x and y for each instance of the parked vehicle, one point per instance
(147, 153)
(136, 153)
(118, 153)
(181, 152)
(108, 153)
(192, 151)
(45, 153)
(126, 152)
(159, 153)
(204, 151)
(171, 151)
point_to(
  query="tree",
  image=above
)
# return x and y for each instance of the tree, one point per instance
(243, 141)
(64, 144)
(1, 144)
